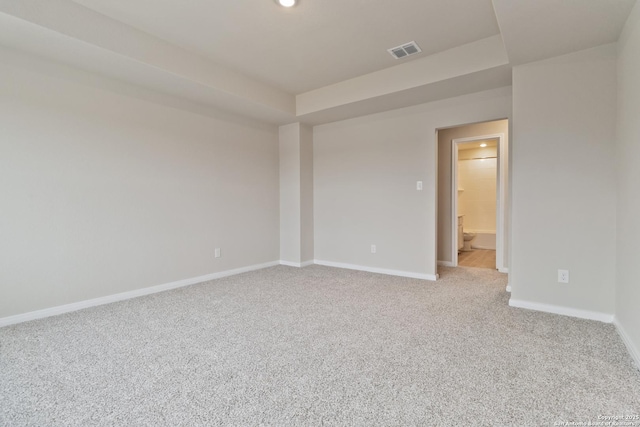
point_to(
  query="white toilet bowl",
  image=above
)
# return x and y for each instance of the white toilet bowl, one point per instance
(468, 237)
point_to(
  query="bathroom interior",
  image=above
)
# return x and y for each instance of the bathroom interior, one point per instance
(477, 182)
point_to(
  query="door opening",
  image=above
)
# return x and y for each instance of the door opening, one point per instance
(472, 196)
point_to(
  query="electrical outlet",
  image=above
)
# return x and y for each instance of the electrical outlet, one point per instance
(419, 185)
(373, 249)
(563, 276)
(217, 253)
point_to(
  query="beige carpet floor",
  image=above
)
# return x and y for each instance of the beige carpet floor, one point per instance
(316, 346)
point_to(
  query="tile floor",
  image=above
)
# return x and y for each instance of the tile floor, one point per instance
(480, 258)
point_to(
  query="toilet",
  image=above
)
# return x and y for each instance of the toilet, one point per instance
(468, 237)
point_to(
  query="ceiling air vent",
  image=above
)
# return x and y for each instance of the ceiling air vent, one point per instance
(404, 50)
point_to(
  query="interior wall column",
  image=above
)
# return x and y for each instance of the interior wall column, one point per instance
(296, 194)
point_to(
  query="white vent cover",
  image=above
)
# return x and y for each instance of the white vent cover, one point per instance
(405, 50)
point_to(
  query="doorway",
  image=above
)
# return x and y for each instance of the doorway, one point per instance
(475, 202)
(472, 195)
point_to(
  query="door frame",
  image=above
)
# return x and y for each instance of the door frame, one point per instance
(501, 196)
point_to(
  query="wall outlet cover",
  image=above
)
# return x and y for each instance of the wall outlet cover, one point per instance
(563, 276)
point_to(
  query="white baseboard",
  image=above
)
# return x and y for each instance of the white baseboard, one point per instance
(446, 263)
(61, 309)
(400, 273)
(503, 270)
(509, 288)
(296, 264)
(565, 311)
(633, 350)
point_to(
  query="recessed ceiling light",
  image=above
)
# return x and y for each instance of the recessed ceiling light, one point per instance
(483, 145)
(287, 3)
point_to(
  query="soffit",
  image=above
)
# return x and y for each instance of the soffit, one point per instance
(241, 55)
(314, 44)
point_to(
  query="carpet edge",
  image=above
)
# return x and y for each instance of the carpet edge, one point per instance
(80, 305)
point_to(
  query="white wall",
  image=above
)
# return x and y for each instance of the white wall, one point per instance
(365, 173)
(477, 179)
(296, 194)
(628, 167)
(290, 193)
(103, 193)
(306, 194)
(564, 191)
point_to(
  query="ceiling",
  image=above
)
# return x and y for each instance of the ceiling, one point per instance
(539, 29)
(312, 45)
(490, 143)
(319, 61)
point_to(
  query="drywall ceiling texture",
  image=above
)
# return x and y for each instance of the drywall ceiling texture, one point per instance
(116, 40)
(102, 193)
(540, 29)
(445, 136)
(315, 63)
(69, 33)
(627, 165)
(563, 181)
(365, 174)
(466, 61)
(312, 45)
